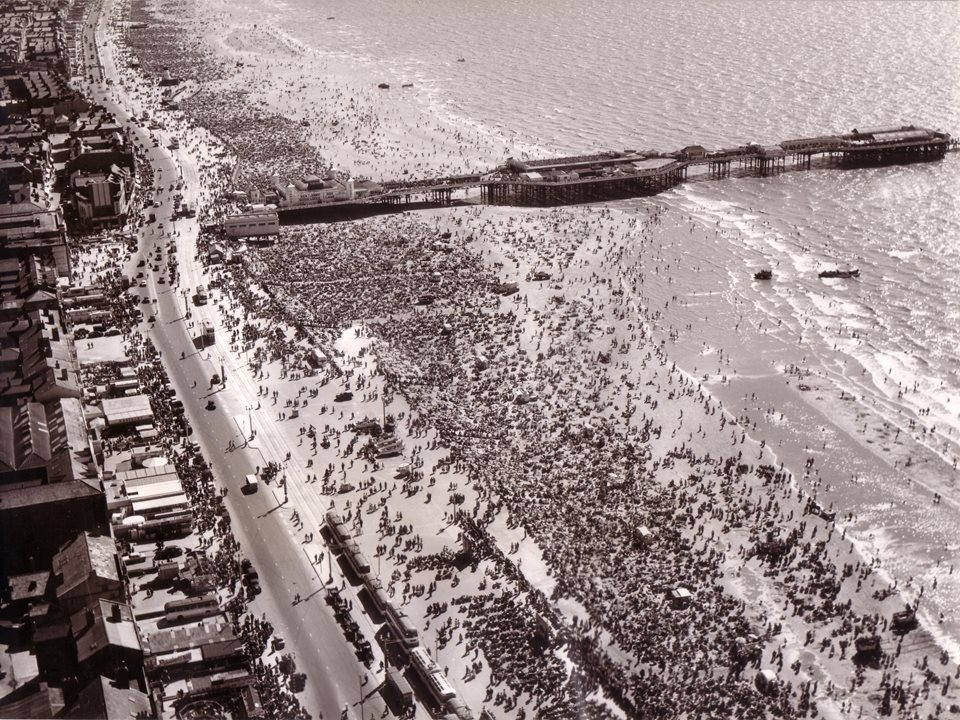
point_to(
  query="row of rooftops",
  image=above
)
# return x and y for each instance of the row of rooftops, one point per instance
(29, 27)
(48, 437)
(45, 454)
(81, 627)
(39, 360)
(85, 146)
(39, 88)
(23, 279)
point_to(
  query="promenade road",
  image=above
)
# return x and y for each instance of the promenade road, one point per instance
(260, 523)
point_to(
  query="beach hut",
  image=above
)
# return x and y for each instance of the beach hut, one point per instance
(868, 647)
(680, 598)
(644, 536)
(904, 621)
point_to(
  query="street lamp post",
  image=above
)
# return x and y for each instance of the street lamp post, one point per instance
(248, 437)
(361, 698)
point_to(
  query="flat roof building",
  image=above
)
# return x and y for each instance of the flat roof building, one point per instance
(130, 410)
(27, 228)
(249, 224)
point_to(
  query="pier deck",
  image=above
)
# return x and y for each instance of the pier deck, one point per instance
(616, 175)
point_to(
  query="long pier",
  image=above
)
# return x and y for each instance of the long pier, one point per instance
(616, 175)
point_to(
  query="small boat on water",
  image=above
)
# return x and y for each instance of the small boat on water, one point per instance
(384, 86)
(407, 85)
(763, 275)
(851, 273)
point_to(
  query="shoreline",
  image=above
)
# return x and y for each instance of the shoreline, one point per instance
(518, 213)
(860, 469)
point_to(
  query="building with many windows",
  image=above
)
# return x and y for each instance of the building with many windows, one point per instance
(255, 222)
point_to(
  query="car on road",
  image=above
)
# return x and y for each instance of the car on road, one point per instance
(168, 552)
(145, 301)
(143, 283)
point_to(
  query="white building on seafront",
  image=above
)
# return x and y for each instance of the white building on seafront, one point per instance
(259, 220)
(316, 190)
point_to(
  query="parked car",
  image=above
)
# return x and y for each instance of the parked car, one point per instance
(168, 552)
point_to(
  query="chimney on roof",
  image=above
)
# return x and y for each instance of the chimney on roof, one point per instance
(90, 617)
(115, 613)
(123, 676)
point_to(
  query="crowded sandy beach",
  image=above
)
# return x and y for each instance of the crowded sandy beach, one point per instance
(577, 508)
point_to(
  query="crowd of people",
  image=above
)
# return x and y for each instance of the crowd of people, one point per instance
(562, 427)
(565, 413)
